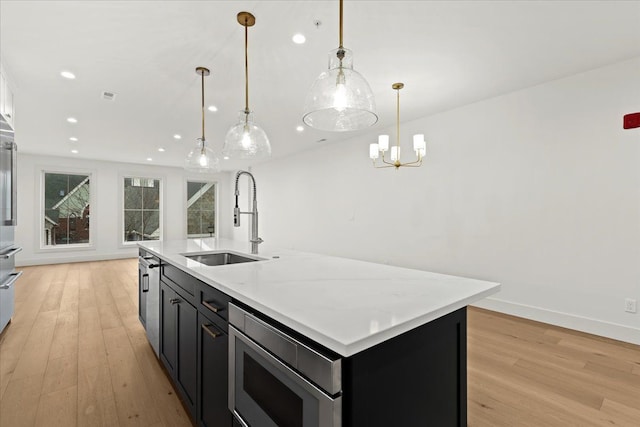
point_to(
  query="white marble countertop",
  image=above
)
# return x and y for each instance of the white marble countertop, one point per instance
(344, 304)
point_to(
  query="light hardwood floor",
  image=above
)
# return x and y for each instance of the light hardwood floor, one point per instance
(75, 354)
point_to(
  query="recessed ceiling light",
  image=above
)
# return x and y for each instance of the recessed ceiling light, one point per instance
(149, 159)
(161, 150)
(74, 151)
(72, 120)
(213, 108)
(73, 138)
(176, 136)
(300, 128)
(68, 75)
(299, 38)
(226, 157)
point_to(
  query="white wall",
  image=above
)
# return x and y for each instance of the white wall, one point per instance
(537, 189)
(106, 187)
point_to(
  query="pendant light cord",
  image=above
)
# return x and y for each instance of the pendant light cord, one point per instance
(341, 47)
(246, 67)
(202, 79)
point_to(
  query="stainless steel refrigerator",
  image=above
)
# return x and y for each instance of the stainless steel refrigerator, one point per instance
(8, 214)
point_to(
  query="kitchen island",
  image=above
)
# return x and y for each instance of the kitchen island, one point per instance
(396, 335)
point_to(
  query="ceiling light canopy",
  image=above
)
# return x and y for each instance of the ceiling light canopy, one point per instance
(246, 140)
(419, 145)
(201, 157)
(340, 98)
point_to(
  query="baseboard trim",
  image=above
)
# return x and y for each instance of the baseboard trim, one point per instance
(77, 258)
(583, 324)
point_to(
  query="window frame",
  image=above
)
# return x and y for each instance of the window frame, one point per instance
(121, 217)
(200, 180)
(40, 217)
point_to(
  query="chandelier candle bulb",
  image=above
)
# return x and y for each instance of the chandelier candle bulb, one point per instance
(419, 145)
(395, 153)
(383, 142)
(373, 151)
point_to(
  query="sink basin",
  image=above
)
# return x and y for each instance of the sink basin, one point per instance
(220, 258)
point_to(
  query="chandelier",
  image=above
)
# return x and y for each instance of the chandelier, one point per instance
(378, 150)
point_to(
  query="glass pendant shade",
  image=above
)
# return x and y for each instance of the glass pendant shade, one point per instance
(340, 98)
(246, 140)
(201, 158)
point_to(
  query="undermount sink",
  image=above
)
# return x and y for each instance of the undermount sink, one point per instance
(220, 258)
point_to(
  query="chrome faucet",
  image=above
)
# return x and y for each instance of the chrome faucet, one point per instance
(255, 240)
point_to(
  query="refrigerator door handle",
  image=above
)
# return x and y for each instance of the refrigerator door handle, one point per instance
(14, 186)
(12, 279)
(11, 253)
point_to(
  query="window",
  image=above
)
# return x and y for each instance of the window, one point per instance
(141, 209)
(201, 209)
(67, 202)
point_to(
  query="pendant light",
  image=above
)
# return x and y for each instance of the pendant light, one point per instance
(375, 150)
(246, 140)
(201, 157)
(340, 98)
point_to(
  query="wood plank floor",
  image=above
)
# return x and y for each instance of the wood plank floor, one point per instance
(75, 354)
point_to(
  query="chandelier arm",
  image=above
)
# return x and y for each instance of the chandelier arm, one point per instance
(412, 164)
(384, 161)
(375, 165)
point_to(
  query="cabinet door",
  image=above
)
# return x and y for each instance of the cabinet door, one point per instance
(168, 331)
(186, 373)
(213, 352)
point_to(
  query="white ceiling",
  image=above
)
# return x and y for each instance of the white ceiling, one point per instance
(448, 54)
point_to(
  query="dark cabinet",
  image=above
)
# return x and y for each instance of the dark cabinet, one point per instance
(213, 356)
(179, 343)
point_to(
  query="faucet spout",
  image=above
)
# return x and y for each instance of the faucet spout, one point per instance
(255, 240)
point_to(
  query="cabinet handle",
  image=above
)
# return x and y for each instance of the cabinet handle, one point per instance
(174, 300)
(145, 280)
(214, 335)
(212, 307)
(150, 266)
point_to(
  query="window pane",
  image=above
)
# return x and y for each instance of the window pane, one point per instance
(141, 209)
(132, 225)
(132, 195)
(151, 224)
(200, 208)
(67, 200)
(151, 195)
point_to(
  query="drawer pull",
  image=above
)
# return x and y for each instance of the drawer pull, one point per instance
(213, 334)
(212, 307)
(174, 300)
